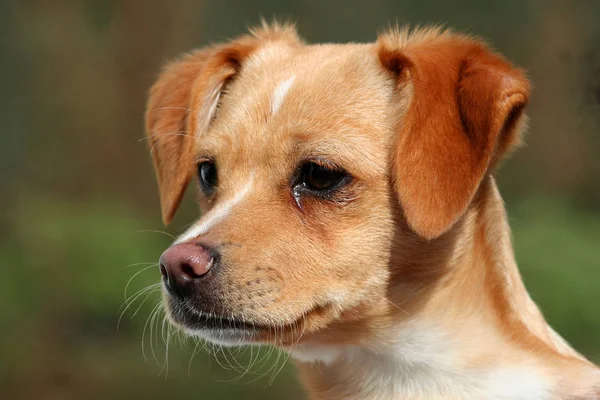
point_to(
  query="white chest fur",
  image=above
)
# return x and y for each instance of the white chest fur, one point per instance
(421, 363)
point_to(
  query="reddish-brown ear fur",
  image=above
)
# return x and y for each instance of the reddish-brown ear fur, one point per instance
(463, 114)
(170, 138)
(182, 104)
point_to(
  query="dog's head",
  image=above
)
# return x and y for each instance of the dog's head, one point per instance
(320, 169)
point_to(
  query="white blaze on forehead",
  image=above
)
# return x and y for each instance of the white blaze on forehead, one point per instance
(215, 215)
(279, 93)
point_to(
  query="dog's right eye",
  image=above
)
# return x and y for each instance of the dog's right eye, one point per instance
(207, 175)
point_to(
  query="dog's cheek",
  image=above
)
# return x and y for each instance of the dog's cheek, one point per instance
(355, 242)
(365, 246)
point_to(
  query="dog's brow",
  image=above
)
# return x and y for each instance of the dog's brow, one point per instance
(361, 159)
(279, 93)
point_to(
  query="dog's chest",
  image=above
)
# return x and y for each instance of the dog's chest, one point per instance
(420, 364)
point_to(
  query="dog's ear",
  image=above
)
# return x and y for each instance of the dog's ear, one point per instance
(183, 103)
(462, 110)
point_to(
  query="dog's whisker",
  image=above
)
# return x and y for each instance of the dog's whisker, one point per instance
(129, 301)
(167, 340)
(140, 263)
(248, 368)
(250, 362)
(195, 352)
(218, 353)
(163, 137)
(153, 331)
(143, 301)
(244, 370)
(155, 309)
(148, 137)
(182, 339)
(164, 341)
(234, 354)
(156, 231)
(284, 361)
(391, 302)
(294, 343)
(133, 277)
(231, 358)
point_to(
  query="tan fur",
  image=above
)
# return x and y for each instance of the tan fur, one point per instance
(415, 248)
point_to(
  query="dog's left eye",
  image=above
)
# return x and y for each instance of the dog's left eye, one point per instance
(207, 174)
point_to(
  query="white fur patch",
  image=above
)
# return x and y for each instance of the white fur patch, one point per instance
(308, 353)
(216, 214)
(206, 114)
(279, 94)
(422, 363)
(516, 383)
(224, 337)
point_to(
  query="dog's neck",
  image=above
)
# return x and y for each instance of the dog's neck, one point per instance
(476, 334)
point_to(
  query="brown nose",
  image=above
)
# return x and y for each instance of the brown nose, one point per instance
(182, 264)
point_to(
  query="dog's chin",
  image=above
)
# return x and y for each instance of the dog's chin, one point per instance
(214, 328)
(230, 332)
(227, 330)
(221, 329)
(225, 337)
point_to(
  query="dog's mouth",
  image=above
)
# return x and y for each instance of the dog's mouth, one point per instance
(231, 330)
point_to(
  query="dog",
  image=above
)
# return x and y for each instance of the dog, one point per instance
(350, 216)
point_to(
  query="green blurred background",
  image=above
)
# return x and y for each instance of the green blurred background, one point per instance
(80, 204)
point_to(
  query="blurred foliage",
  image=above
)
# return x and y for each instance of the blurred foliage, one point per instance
(81, 209)
(557, 251)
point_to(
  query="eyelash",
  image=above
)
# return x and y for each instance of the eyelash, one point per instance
(301, 187)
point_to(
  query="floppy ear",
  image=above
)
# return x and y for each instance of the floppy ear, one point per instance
(183, 102)
(464, 108)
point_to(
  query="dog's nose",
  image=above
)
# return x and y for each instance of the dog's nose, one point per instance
(182, 264)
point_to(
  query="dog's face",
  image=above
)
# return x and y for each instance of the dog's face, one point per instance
(319, 170)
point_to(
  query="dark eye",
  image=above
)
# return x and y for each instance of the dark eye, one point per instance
(207, 174)
(320, 178)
